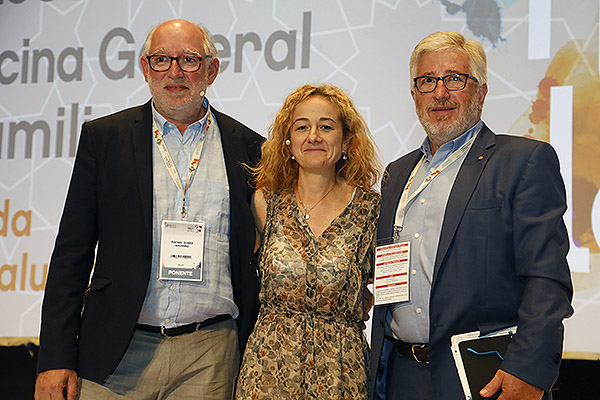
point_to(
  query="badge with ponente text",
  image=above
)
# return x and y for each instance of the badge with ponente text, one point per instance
(181, 251)
(391, 281)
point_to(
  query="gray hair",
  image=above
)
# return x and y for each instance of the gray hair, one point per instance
(452, 41)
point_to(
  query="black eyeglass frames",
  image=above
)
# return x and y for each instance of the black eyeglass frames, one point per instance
(453, 82)
(162, 63)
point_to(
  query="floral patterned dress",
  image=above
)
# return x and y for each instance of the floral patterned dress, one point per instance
(308, 342)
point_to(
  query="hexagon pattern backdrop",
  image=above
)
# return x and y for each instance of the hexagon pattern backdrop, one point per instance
(66, 61)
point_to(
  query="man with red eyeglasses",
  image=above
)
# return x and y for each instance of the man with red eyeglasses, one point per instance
(158, 205)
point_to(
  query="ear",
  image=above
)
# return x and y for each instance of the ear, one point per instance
(145, 67)
(412, 93)
(213, 70)
(482, 93)
(346, 144)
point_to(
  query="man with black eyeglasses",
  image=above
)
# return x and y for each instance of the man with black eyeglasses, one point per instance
(158, 206)
(481, 218)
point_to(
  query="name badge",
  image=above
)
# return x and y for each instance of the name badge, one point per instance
(392, 281)
(181, 251)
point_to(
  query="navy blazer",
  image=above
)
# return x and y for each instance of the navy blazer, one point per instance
(501, 258)
(87, 328)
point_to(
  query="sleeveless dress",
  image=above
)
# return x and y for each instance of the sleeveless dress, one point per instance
(308, 341)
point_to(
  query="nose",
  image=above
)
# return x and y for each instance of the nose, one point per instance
(175, 71)
(313, 135)
(441, 92)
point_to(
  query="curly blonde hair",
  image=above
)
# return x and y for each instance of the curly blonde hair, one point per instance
(277, 171)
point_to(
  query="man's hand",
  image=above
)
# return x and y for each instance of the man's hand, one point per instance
(50, 384)
(512, 387)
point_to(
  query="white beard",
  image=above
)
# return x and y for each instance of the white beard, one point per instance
(439, 135)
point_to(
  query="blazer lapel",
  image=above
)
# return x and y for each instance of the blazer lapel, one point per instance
(461, 192)
(233, 152)
(141, 132)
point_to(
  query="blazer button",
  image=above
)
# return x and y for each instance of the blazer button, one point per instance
(556, 358)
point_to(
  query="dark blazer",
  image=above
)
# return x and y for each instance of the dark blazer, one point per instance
(501, 258)
(87, 328)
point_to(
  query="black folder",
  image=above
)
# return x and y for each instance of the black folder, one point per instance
(480, 358)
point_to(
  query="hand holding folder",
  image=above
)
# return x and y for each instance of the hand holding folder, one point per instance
(513, 388)
(478, 358)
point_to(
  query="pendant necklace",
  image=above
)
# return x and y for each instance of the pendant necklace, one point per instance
(307, 211)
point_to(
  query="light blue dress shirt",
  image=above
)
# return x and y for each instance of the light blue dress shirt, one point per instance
(409, 321)
(173, 303)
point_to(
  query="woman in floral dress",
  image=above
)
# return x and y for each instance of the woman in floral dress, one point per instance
(316, 209)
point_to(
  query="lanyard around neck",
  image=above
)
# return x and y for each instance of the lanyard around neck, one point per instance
(170, 165)
(405, 198)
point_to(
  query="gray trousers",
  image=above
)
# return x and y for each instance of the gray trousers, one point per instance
(198, 365)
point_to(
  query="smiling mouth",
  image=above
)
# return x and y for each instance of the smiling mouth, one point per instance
(443, 108)
(175, 87)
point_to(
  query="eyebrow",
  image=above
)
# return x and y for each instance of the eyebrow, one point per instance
(184, 52)
(320, 119)
(448, 72)
(327, 119)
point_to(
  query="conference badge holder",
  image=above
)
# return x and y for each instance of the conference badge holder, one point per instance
(181, 250)
(391, 283)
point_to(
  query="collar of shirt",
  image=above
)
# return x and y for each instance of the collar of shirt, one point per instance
(192, 130)
(447, 148)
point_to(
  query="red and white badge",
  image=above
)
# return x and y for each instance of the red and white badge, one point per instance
(392, 283)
